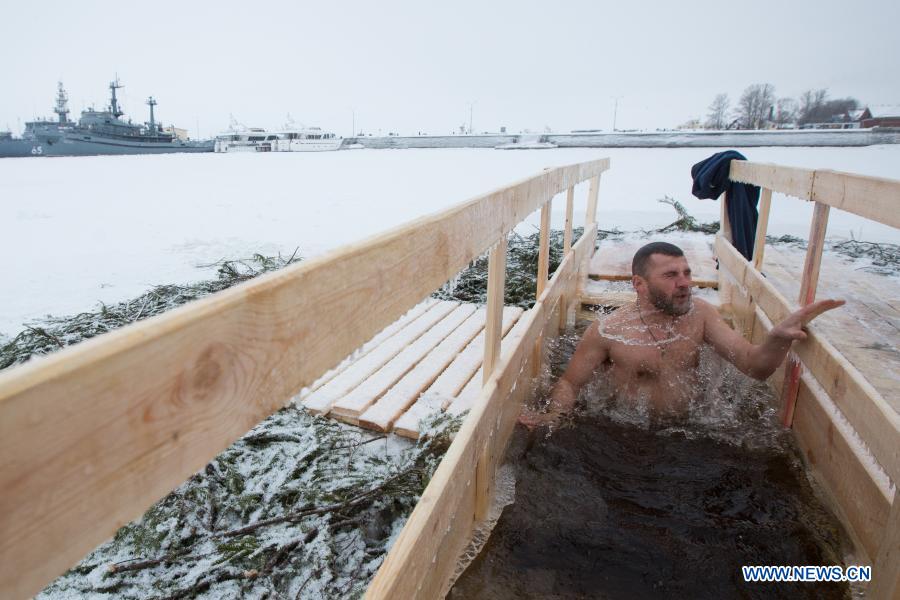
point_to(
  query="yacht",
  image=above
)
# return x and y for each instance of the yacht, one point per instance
(288, 139)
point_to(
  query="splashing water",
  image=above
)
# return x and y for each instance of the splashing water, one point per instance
(619, 501)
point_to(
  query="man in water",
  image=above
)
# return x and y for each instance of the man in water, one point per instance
(651, 349)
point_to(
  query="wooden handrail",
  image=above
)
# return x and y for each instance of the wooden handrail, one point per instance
(874, 198)
(876, 422)
(93, 435)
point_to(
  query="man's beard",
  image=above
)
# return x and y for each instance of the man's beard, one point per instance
(671, 305)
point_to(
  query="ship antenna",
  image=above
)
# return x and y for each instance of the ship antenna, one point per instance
(114, 104)
(62, 104)
(151, 103)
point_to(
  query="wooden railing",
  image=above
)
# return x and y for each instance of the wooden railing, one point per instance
(424, 557)
(873, 518)
(91, 436)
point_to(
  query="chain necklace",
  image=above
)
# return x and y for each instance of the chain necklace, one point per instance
(658, 342)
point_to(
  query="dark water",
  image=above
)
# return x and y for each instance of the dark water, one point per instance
(609, 508)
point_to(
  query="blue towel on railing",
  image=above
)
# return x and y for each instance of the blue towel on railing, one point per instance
(711, 179)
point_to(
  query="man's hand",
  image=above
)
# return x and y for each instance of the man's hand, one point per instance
(792, 327)
(532, 418)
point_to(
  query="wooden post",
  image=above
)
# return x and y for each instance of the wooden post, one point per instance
(886, 570)
(808, 284)
(494, 319)
(591, 214)
(567, 247)
(762, 225)
(725, 292)
(570, 207)
(543, 272)
(724, 223)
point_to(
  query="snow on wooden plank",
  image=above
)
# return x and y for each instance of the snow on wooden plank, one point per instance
(360, 398)
(320, 401)
(390, 406)
(414, 313)
(443, 391)
(865, 330)
(445, 388)
(613, 260)
(466, 364)
(470, 392)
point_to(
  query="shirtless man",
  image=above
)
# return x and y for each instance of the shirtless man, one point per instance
(651, 349)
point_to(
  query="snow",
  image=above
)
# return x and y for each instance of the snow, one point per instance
(387, 408)
(322, 399)
(377, 384)
(76, 231)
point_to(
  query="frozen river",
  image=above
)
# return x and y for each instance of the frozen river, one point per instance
(82, 230)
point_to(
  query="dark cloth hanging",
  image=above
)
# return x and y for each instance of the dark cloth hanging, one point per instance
(711, 179)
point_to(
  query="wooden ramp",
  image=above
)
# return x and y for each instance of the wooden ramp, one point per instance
(612, 261)
(428, 360)
(866, 330)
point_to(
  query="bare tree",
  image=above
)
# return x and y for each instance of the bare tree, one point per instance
(755, 106)
(785, 111)
(718, 111)
(812, 103)
(815, 107)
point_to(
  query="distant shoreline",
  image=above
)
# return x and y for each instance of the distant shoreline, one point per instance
(654, 139)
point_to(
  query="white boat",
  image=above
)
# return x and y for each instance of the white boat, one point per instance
(288, 139)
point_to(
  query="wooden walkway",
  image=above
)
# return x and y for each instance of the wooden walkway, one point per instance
(612, 261)
(866, 329)
(429, 360)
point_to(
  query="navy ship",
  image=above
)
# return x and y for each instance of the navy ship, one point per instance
(97, 132)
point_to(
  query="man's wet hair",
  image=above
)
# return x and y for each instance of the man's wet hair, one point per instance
(642, 256)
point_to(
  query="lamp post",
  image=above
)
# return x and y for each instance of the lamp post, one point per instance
(615, 110)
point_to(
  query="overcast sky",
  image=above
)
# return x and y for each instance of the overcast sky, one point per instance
(420, 66)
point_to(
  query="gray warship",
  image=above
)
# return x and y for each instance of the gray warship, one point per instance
(97, 132)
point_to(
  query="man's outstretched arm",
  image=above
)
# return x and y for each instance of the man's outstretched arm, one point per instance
(761, 360)
(591, 352)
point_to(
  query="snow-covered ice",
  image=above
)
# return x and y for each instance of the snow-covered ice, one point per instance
(82, 230)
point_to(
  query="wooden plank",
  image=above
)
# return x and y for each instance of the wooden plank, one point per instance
(455, 377)
(543, 269)
(860, 502)
(724, 222)
(93, 435)
(388, 408)
(885, 583)
(809, 281)
(495, 298)
(874, 198)
(470, 393)
(612, 262)
(364, 395)
(762, 226)
(408, 571)
(865, 330)
(829, 454)
(570, 208)
(567, 246)
(321, 401)
(591, 211)
(784, 180)
(864, 407)
(410, 316)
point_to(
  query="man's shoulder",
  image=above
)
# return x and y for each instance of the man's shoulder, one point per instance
(704, 307)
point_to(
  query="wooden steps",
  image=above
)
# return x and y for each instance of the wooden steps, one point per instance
(612, 261)
(428, 360)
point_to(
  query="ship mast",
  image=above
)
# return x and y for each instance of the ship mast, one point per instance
(62, 104)
(151, 103)
(113, 103)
